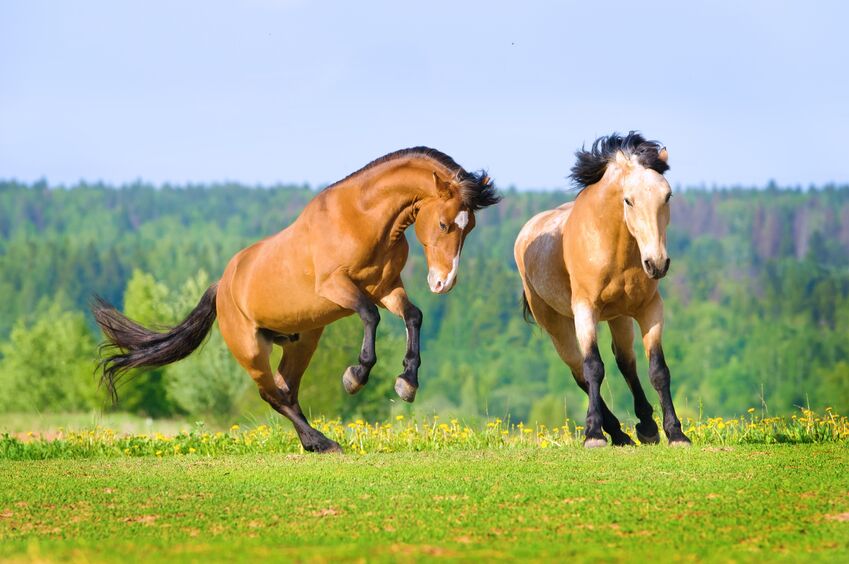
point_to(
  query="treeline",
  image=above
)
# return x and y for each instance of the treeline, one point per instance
(757, 305)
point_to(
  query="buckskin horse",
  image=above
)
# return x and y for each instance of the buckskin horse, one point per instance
(600, 258)
(342, 255)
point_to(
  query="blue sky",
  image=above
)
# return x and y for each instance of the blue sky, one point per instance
(297, 91)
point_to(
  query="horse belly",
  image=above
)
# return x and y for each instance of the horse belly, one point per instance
(294, 312)
(274, 286)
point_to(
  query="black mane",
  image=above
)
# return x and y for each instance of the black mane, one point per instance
(476, 188)
(590, 165)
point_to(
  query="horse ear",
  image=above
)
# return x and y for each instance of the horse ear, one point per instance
(663, 154)
(443, 189)
(622, 160)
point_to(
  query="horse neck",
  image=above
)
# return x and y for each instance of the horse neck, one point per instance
(393, 192)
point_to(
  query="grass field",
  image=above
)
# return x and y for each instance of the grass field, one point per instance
(744, 502)
(750, 488)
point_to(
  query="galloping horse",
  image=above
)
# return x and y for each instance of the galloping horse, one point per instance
(342, 255)
(599, 258)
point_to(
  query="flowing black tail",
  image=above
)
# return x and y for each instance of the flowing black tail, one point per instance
(129, 345)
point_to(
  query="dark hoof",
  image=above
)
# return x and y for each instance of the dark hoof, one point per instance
(650, 440)
(623, 439)
(350, 381)
(680, 441)
(323, 446)
(594, 442)
(404, 390)
(648, 433)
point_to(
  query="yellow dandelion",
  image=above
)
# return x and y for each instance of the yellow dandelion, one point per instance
(234, 427)
(399, 418)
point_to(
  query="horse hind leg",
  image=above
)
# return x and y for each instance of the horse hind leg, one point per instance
(296, 357)
(622, 331)
(252, 349)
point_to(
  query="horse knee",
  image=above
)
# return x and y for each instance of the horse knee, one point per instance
(369, 314)
(413, 316)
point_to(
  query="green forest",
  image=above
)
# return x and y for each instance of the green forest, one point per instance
(757, 306)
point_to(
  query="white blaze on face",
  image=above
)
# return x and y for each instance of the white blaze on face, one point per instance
(437, 285)
(453, 274)
(462, 219)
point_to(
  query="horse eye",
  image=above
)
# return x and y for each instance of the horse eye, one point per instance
(443, 227)
(627, 201)
(668, 196)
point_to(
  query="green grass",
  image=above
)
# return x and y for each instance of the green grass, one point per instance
(48, 423)
(720, 503)
(398, 435)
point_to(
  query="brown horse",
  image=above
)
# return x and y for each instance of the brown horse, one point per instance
(343, 255)
(599, 258)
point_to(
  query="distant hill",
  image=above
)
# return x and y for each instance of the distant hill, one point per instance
(757, 296)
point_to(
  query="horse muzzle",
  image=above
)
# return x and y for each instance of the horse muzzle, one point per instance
(656, 269)
(440, 284)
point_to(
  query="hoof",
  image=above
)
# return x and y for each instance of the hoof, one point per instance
(404, 390)
(681, 441)
(650, 440)
(623, 440)
(325, 446)
(350, 382)
(648, 433)
(595, 443)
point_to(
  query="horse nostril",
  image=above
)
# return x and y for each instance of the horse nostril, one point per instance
(438, 285)
(666, 268)
(647, 264)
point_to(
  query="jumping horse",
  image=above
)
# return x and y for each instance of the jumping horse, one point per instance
(600, 258)
(342, 255)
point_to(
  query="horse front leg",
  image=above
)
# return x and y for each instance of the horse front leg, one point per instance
(407, 383)
(586, 319)
(651, 326)
(342, 291)
(622, 330)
